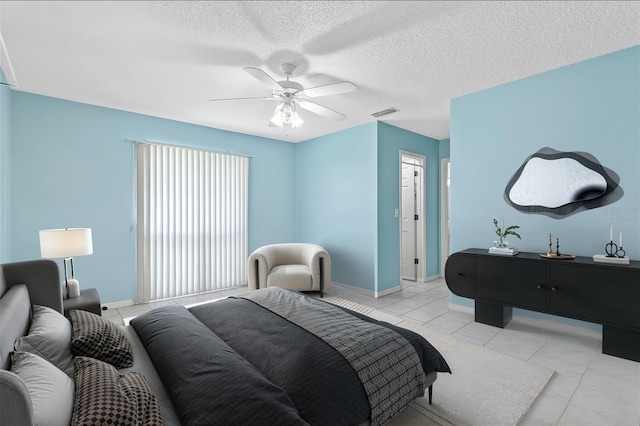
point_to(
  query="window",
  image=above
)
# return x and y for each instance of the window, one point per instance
(192, 221)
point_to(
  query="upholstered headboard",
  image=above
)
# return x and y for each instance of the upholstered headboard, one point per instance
(15, 318)
(21, 284)
(41, 277)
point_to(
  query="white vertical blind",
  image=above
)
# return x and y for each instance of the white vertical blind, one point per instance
(192, 221)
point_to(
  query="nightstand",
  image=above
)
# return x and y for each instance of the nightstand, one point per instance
(89, 300)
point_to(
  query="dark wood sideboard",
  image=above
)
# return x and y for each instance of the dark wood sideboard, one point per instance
(602, 293)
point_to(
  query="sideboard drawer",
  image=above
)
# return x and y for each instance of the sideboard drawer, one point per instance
(458, 273)
(604, 295)
(511, 281)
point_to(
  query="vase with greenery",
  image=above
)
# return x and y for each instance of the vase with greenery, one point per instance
(502, 233)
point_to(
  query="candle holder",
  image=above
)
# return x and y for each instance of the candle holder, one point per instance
(615, 254)
(557, 255)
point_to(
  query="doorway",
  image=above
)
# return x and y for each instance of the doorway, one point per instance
(412, 231)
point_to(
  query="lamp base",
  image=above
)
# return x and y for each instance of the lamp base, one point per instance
(73, 288)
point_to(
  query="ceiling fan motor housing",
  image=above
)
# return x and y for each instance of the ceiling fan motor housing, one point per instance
(287, 69)
(291, 86)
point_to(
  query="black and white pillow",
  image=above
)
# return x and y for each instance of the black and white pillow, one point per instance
(96, 337)
(105, 397)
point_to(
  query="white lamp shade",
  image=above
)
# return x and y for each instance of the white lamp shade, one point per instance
(68, 242)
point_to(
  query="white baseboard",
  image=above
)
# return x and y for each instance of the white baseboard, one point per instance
(376, 294)
(386, 292)
(427, 279)
(431, 278)
(121, 304)
(352, 288)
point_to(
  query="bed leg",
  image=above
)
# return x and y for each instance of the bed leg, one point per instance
(321, 277)
(257, 275)
(430, 393)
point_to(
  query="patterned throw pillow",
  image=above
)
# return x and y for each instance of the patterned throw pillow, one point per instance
(105, 397)
(96, 337)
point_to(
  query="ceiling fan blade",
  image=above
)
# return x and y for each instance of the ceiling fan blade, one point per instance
(267, 98)
(330, 89)
(321, 111)
(258, 74)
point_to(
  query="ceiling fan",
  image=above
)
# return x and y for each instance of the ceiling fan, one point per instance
(292, 95)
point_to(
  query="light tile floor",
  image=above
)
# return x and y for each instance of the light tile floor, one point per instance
(588, 387)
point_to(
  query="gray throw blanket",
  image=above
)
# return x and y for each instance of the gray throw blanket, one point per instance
(386, 363)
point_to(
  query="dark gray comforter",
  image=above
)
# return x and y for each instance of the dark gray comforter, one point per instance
(386, 364)
(233, 362)
(207, 381)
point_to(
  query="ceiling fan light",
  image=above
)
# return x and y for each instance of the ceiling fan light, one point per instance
(286, 116)
(297, 120)
(276, 120)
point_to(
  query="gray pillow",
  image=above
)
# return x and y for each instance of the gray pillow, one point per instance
(106, 397)
(96, 337)
(51, 391)
(49, 337)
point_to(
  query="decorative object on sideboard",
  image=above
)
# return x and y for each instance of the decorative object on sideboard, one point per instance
(503, 232)
(66, 243)
(615, 254)
(557, 255)
(501, 245)
(559, 184)
(505, 251)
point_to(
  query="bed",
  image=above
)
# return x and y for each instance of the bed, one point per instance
(271, 356)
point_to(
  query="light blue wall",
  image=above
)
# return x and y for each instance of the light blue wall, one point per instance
(445, 147)
(392, 140)
(347, 190)
(5, 170)
(336, 201)
(71, 167)
(592, 106)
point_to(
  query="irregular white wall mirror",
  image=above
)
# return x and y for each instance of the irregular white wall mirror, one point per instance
(559, 184)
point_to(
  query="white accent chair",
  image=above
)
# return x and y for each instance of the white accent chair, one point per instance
(297, 266)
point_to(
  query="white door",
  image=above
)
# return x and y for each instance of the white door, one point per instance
(408, 221)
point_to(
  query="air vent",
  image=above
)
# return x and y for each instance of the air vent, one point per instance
(385, 112)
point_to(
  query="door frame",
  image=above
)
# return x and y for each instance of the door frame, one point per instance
(421, 238)
(445, 196)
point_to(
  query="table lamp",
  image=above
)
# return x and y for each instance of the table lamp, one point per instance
(66, 243)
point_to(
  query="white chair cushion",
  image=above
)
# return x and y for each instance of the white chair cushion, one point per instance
(295, 277)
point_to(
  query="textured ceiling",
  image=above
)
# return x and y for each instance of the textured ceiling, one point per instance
(167, 59)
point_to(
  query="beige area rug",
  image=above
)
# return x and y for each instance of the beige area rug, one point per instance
(486, 387)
